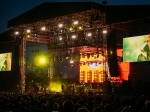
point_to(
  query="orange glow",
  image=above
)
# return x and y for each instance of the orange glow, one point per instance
(92, 69)
(123, 66)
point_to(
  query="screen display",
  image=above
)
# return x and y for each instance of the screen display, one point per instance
(136, 49)
(5, 61)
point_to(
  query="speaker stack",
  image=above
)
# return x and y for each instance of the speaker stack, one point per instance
(112, 53)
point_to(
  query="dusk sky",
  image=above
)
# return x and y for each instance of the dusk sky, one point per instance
(10, 9)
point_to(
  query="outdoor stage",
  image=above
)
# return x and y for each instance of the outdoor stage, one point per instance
(83, 45)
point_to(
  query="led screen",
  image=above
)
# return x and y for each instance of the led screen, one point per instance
(5, 61)
(136, 49)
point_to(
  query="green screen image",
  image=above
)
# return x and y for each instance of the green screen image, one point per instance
(136, 49)
(5, 61)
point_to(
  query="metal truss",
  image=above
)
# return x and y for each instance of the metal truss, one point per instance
(91, 20)
(130, 28)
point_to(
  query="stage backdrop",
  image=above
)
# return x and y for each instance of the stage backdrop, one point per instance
(91, 71)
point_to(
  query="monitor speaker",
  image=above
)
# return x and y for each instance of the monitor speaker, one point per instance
(112, 53)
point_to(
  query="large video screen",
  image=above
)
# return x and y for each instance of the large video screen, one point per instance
(136, 49)
(5, 61)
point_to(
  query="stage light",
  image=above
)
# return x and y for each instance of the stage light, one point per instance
(28, 31)
(60, 38)
(71, 61)
(60, 25)
(67, 56)
(16, 33)
(75, 22)
(104, 31)
(70, 28)
(35, 35)
(43, 28)
(73, 36)
(42, 60)
(80, 27)
(85, 61)
(89, 34)
(61, 31)
(28, 36)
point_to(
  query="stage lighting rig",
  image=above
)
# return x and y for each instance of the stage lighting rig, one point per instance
(57, 34)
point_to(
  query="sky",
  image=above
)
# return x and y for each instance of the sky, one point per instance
(10, 9)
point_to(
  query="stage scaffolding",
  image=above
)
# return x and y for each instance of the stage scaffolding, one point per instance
(88, 21)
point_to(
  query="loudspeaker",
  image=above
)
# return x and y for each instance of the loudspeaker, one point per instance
(112, 53)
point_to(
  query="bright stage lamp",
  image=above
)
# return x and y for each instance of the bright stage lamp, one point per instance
(75, 22)
(60, 38)
(73, 36)
(89, 34)
(28, 31)
(60, 25)
(70, 29)
(71, 61)
(43, 28)
(80, 28)
(42, 60)
(104, 31)
(16, 33)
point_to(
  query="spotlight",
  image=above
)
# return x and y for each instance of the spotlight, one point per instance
(43, 28)
(71, 61)
(84, 62)
(60, 25)
(104, 31)
(73, 36)
(28, 31)
(28, 35)
(60, 38)
(75, 22)
(16, 33)
(70, 28)
(80, 27)
(89, 34)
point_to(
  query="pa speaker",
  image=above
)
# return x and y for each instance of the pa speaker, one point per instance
(112, 54)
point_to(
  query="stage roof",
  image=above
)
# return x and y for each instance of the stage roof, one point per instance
(49, 10)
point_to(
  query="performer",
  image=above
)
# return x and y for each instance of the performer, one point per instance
(145, 51)
(83, 87)
(40, 88)
(6, 65)
(63, 87)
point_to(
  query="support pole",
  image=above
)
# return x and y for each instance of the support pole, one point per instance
(22, 64)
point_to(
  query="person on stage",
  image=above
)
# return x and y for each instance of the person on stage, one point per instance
(6, 65)
(145, 51)
(63, 87)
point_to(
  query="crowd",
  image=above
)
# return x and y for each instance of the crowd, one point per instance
(85, 102)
